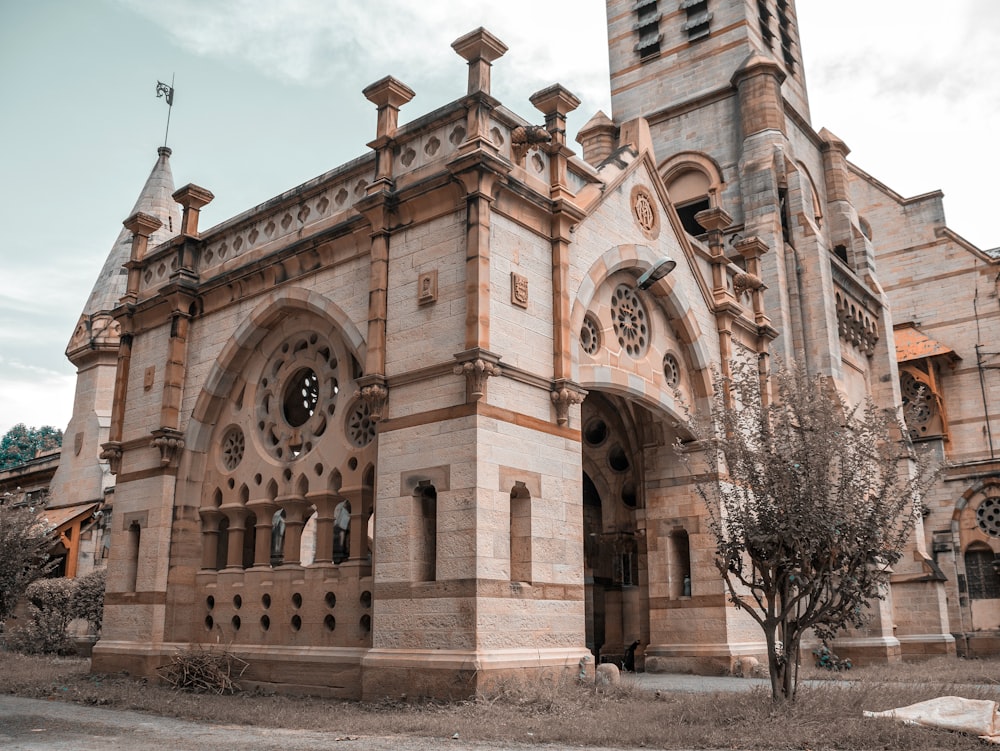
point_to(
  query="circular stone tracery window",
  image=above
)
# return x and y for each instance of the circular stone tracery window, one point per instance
(233, 445)
(360, 426)
(590, 338)
(297, 395)
(630, 321)
(671, 371)
(988, 516)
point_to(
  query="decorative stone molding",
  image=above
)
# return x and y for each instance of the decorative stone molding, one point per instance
(856, 325)
(477, 365)
(744, 282)
(518, 289)
(524, 138)
(427, 287)
(170, 442)
(111, 452)
(645, 213)
(564, 395)
(375, 394)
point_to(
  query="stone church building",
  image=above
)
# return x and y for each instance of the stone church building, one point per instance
(408, 427)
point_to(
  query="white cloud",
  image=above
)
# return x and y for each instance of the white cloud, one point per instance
(318, 42)
(35, 396)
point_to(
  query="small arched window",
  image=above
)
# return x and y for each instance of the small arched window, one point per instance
(694, 183)
(982, 572)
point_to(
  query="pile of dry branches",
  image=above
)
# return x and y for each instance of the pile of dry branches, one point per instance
(203, 670)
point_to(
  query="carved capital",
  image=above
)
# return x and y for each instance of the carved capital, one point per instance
(477, 365)
(170, 442)
(111, 452)
(564, 395)
(375, 394)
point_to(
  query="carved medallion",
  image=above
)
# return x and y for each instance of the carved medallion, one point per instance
(645, 212)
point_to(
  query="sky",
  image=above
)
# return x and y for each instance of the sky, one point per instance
(268, 95)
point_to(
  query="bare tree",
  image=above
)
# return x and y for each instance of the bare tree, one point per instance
(25, 539)
(814, 501)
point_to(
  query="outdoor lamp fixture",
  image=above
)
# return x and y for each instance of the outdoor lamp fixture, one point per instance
(660, 269)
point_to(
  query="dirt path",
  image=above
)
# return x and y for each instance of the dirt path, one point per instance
(39, 725)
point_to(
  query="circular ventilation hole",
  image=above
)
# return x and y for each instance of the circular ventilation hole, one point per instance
(210, 601)
(330, 622)
(366, 599)
(237, 602)
(236, 623)
(265, 600)
(265, 622)
(296, 623)
(331, 599)
(366, 623)
(209, 623)
(297, 600)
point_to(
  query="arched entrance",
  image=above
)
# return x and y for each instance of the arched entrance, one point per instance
(627, 449)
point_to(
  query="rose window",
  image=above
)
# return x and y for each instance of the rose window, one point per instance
(297, 395)
(988, 516)
(233, 445)
(918, 405)
(360, 426)
(671, 371)
(590, 339)
(630, 321)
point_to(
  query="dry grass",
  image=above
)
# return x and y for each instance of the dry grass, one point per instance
(827, 716)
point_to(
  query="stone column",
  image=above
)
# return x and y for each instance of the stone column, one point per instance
(263, 509)
(237, 516)
(210, 519)
(325, 503)
(296, 512)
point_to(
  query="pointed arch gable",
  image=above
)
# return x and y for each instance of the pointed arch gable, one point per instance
(243, 343)
(673, 298)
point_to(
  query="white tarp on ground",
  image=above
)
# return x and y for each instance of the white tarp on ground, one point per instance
(976, 716)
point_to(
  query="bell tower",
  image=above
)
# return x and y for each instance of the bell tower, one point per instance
(669, 54)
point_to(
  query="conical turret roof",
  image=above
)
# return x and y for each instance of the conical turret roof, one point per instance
(155, 199)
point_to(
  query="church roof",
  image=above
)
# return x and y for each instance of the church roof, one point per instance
(155, 199)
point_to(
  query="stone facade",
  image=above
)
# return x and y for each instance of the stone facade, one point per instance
(408, 427)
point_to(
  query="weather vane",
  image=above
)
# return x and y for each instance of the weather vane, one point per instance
(163, 90)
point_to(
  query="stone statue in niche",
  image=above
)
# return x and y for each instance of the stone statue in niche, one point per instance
(342, 531)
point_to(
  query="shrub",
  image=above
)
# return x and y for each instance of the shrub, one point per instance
(50, 608)
(25, 539)
(51, 605)
(88, 599)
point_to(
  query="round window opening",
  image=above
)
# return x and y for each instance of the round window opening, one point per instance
(671, 371)
(595, 432)
(590, 338)
(988, 516)
(301, 397)
(233, 446)
(631, 323)
(617, 459)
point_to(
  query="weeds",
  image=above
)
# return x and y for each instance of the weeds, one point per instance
(826, 716)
